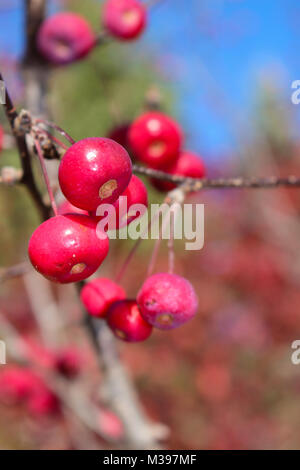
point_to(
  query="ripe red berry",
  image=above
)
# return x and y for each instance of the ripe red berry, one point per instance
(110, 424)
(16, 384)
(94, 171)
(188, 164)
(155, 139)
(126, 322)
(68, 362)
(67, 208)
(64, 38)
(22, 386)
(135, 193)
(99, 294)
(67, 249)
(43, 403)
(124, 19)
(120, 135)
(167, 301)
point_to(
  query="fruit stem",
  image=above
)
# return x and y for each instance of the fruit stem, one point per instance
(134, 249)
(46, 177)
(57, 128)
(55, 140)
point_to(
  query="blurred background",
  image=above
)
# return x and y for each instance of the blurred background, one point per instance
(224, 69)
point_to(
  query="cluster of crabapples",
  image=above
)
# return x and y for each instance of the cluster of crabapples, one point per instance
(66, 37)
(22, 386)
(70, 247)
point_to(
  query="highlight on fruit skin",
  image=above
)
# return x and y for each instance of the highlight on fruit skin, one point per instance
(155, 139)
(124, 19)
(94, 171)
(66, 248)
(126, 322)
(167, 301)
(64, 38)
(99, 294)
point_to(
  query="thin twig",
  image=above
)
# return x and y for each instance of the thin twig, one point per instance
(18, 270)
(27, 177)
(192, 184)
(46, 177)
(57, 128)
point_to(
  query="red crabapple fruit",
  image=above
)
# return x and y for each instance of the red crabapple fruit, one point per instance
(120, 135)
(124, 19)
(16, 384)
(22, 386)
(67, 208)
(110, 424)
(64, 38)
(68, 362)
(94, 171)
(66, 248)
(125, 320)
(135, 193)
(188, 164)
(167, 301)
(155, 139)
(99, 294)
(43, 403)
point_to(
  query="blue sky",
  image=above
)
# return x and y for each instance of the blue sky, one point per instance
(210, 49)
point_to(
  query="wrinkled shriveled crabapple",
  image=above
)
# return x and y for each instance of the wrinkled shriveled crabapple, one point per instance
(99, 294)
(125, 320)
(67, 249)
(124, 19)
(188, 164)
(94, 171)
(125, 212)
(64, 38)
(167, 301)
(155, 139)
(67, 208)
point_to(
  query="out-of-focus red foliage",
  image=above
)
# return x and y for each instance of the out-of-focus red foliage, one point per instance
(225, 380)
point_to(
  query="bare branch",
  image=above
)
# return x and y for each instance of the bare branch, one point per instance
(27, 177)
(15, 271)
(192, 184)
(120, 393)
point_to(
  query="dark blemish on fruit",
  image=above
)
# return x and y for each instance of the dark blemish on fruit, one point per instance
(107, 189)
